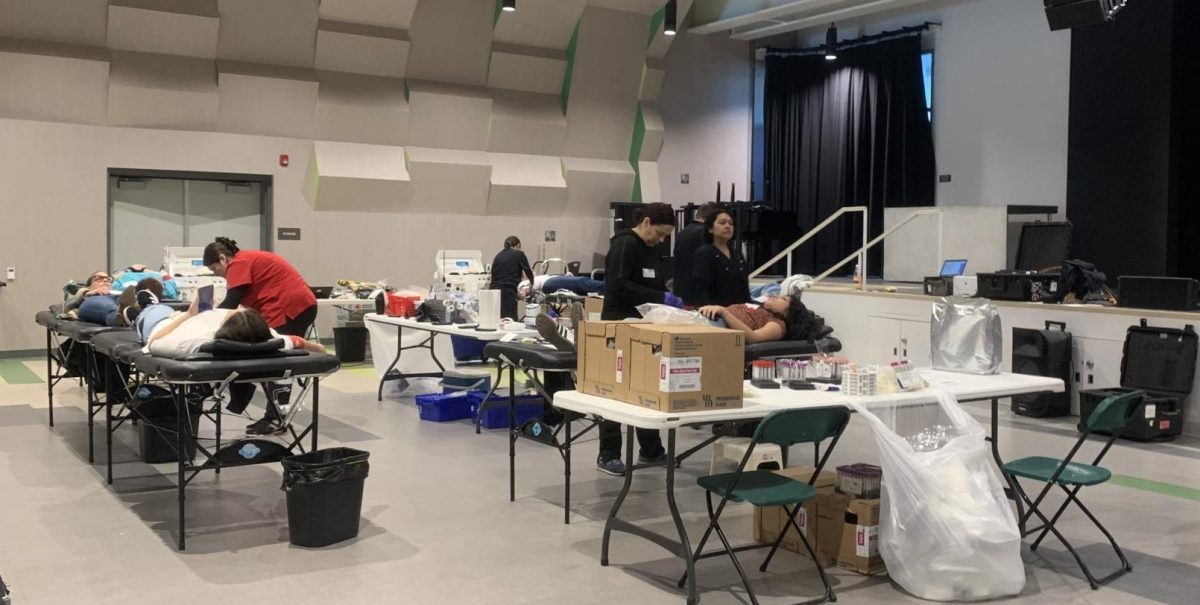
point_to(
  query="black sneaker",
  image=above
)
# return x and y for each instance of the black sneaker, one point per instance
(145, 298)
(612, 467)
(265, 426)
(660, 458)
(548, 329)
(130, 314)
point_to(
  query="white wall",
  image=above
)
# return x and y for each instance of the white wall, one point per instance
(706, 108)
(1000, 100)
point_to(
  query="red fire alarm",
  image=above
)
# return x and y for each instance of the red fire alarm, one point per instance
(283, 160)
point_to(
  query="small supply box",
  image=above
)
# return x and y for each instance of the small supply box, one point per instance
(601, 359)
(770, 520)
(683, 368)
(848, 532)
(939, 286)
(495, 416)
(593, 307)
(439, 407)
(1161, 362)
(859, 480)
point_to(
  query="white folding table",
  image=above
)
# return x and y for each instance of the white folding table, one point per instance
(965, 387)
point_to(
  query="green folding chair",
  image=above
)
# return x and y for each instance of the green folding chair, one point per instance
(765, 488)
(1111, 415)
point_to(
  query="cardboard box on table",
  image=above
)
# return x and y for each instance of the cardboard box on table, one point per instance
(682, 368)
(769, 520)
(601, 357)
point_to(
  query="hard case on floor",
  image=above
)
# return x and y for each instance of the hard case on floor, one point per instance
(1161, 362)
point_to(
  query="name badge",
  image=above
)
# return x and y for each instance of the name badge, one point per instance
(648, 273)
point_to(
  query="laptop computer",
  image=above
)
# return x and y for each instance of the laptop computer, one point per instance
(321, 291)
(953, 268)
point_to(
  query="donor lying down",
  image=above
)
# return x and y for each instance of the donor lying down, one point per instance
(179, 334)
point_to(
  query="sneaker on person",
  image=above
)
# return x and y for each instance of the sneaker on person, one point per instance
(613, 466)
(548, 329)
(265, 426)
(145, 298)
(130, 314)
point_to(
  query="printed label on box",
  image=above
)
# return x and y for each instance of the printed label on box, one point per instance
(802, 520)
(1164, 425)
(866, 541)
(679, 374)
(1151, 410)
(620, 366)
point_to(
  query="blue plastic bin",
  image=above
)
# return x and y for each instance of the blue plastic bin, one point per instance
(495, 416)
(439, 407)
(467, 349)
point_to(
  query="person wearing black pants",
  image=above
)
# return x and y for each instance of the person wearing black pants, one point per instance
(633, 275)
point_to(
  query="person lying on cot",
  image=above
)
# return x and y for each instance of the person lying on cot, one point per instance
(98, 283)
(779, 318)
(179, 334)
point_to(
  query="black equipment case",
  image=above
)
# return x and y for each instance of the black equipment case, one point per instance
(1017, 286)
(1161, 362)
(939, 286)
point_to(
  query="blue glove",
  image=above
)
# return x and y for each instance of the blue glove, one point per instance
(672, 300)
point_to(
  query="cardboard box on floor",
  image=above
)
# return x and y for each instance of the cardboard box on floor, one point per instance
(769, 520)
(683, 368)
(848, 532)
(600, 359)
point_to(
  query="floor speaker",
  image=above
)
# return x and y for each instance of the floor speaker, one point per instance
(1043, 353)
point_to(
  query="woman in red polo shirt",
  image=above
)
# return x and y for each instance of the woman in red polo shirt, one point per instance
(269, 284)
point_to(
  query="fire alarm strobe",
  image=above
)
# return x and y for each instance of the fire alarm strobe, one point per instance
(283, 160)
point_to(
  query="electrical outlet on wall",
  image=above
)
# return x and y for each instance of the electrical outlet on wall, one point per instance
(11, 273)
(685, 178)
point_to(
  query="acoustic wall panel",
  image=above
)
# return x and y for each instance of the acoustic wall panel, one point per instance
(448, 116)
(364, 109)
(275, 32)
(540, 23)
(526, 68)
(162, 91)
(268, 100)
(593, 184)
(652, 137)
(448, 181)
(356, 177)
(396, 14)
(648, 177)
(451, 41)
(52, 82)
(81, 22)
(526, 185)
(652, 81)
(361, 49)
(188, 28)
(526, 123)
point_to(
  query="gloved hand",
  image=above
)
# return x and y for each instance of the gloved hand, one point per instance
(672, 300)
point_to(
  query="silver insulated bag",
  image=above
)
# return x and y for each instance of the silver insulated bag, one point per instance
(966, 336)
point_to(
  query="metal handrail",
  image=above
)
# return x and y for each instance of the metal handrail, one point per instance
(862, 252)
(812, 233)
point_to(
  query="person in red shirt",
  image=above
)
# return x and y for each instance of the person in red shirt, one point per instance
(267, 283)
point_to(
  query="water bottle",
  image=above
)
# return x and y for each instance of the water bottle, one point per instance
(531, 313)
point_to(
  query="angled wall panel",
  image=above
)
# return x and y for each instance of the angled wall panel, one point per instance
(649, 178)
(605, 82)
(593, 184)
(652, 138)
(162, 91)
(449, 181)
(396, 14)
(53, 82)
(81, 22)
(258, 99)
(274, 32)
(361, 49)
(526, 123)
(189, 29)
(540, 23)
(526, 68)
(355, 177)
(660, 43)
(363, 109)
(527, 185)
(448, 116)
(652, 80)
(451, 41)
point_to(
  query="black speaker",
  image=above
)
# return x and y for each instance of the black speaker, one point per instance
(1065, 14)
(1169, 293)
(1043, 353)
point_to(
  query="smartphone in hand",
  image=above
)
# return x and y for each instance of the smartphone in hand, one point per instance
(205, 298)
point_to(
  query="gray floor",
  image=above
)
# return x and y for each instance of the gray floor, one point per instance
(438, 527)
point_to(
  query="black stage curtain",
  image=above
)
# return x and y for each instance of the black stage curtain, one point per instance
(850, 132)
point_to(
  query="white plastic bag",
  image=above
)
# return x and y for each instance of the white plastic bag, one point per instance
(946, 530)
(666, 314)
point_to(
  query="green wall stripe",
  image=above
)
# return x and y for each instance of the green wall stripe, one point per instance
(635, 153)
(14, 371)
(566, 87)
(499, 9)
(656, 21)
(1157, 487)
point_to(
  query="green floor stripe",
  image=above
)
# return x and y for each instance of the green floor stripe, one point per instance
(14, 371)
(1157, 487)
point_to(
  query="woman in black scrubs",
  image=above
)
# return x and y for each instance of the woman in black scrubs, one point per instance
(718, 271)
(507, 269)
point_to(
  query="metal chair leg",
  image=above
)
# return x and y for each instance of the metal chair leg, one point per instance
(736, 564)
(775, 546)
(703, 539)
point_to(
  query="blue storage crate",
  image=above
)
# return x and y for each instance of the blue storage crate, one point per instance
(439, 407)
(495, 416)
(467, 349)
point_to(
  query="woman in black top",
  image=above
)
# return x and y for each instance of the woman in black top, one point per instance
(507, 269)
(718, 272)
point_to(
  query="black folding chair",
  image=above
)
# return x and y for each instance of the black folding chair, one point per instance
(1111, 415)
(765, 488)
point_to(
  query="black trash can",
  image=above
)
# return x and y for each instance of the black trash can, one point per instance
(324, 495)
(158, 438)
(350, 343)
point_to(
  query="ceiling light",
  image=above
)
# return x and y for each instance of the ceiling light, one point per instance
(831, 43)
(510, 6)
(669, 24)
